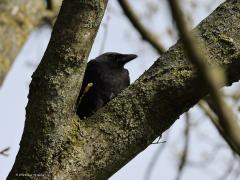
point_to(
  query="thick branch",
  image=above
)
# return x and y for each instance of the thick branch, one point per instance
(17, 20)
(57, 143)
(53, 93)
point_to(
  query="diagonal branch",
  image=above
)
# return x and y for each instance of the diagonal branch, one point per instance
(204, 105)
(145, 33)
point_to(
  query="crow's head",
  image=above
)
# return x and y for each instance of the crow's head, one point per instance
(116, 59)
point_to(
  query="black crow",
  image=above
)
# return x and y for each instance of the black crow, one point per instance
(104, 78)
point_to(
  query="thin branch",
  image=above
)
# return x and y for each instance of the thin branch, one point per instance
(154, 160)
(4, 151)
(145, 33)
(225, 114)
(230, 168)
(183, 160)
(237, 171)
(205, 107)
(208, 159)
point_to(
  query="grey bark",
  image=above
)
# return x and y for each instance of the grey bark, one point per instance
(57, 144)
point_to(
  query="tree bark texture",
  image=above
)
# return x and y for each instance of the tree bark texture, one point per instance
(57, 144)
(17, 20)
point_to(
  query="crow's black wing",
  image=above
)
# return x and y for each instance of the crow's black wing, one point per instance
(91, 75)
(90, 98)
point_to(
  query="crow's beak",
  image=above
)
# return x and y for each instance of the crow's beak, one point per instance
(125, 58)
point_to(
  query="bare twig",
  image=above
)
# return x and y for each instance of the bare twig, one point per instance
(229, 169)
(205, 107)
(145, 33)
(209, 159)
(4, 151)
(184, 155)
(237, 171)
(154, 160)
(226, 116)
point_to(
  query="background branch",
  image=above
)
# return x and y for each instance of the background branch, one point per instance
(185, 153)
(208, 111)
(226, 116)
(17, 20)
(144, 32)
(4, 151)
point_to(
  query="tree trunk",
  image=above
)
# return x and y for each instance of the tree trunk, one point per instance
(57, 144)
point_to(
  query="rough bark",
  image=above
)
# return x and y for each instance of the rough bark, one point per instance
(17, 20)
(56, 143)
